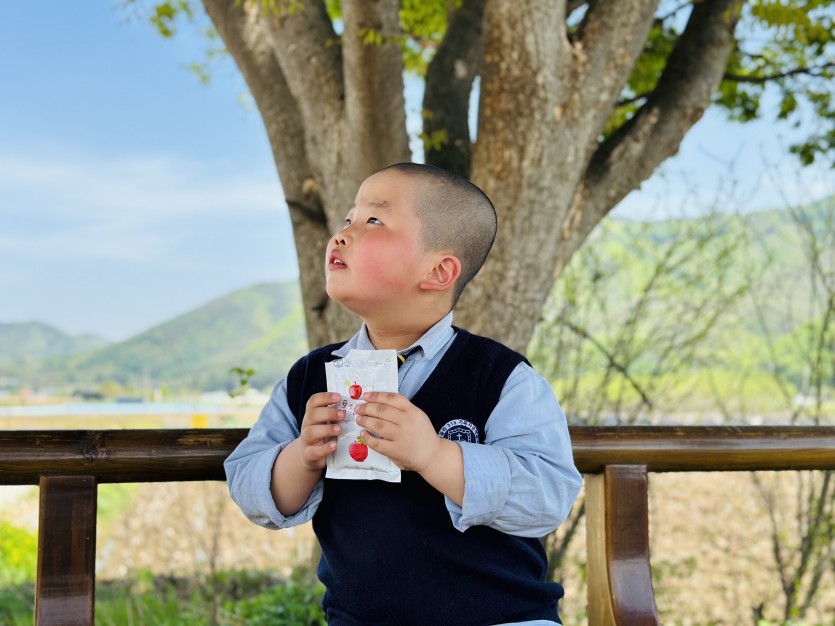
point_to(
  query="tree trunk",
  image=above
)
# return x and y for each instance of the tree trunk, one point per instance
(334, 111)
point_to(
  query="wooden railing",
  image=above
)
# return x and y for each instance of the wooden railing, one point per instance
(68, 466)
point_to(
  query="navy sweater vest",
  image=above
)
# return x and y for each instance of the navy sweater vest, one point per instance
(390, 554)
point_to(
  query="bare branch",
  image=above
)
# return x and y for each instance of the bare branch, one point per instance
(774, 535)
(612, 360)
(627, 101)
(809, 71)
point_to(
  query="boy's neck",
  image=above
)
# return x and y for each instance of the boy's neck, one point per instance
(397, 336)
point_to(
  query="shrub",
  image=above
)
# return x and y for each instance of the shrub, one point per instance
(18, 555)
(290, 604)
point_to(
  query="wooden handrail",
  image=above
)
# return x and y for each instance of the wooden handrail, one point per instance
(704, 448)
(616, 460)
(169, 455)
(116, 456)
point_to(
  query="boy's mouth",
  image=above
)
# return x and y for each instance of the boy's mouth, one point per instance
(336, 262)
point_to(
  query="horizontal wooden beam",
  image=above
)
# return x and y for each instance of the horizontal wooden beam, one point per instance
(162, 455)
(117, 456)
(704, 448)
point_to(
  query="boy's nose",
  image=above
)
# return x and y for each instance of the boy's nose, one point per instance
(339, 239)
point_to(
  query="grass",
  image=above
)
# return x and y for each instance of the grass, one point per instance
(229, 599)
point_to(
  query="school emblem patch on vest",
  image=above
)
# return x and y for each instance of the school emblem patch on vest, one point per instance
(459, 430)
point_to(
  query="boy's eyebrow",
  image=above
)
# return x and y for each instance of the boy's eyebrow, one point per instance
(377, 204)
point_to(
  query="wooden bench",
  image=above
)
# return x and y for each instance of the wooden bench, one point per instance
(69, 465)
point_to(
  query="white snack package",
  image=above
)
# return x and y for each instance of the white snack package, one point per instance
(359, 372)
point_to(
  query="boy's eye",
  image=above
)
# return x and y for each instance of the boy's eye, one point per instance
(374, 220)
(347, 221)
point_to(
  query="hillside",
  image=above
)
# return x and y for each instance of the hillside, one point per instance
(259, 327)
(262, 327)
(24, 344)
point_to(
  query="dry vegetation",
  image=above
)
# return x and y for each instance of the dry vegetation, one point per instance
(711, 550)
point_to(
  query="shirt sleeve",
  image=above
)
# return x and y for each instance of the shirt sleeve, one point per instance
(522, 480)
(249, 467)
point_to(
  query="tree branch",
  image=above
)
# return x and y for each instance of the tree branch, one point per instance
(306, 47)
(613, 362)
(684, 91)
(810, 71)
(637, 98)
(247, 37)
(739, 78)
(607, 45)
(374, 100)
(449, 81)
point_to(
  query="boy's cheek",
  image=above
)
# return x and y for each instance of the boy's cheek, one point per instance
(377, 277)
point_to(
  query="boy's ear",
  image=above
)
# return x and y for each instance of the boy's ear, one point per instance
(443, 274)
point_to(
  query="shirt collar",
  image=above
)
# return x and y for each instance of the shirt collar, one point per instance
(432, 340)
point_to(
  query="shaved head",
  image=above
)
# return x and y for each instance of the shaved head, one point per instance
(455, 215)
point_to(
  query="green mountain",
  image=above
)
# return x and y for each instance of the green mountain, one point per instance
(24, 344)
(262, 327)
(259, 328)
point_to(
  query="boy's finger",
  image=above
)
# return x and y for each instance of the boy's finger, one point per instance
(386, 397)
(380, 427)
(317, 452)
(319, 432)
(323, 398)
(384, 412)
(320, 415)
(378, 445)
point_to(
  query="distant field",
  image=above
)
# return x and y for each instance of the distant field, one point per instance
(237, 417)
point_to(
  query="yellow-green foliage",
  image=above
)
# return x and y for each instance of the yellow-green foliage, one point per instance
(18, 555)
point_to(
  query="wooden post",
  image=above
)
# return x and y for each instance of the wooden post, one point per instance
(66, 585)
(619, 576)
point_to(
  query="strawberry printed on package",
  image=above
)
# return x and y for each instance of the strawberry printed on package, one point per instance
(360, 372)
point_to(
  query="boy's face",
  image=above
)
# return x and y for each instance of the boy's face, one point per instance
(376, 261)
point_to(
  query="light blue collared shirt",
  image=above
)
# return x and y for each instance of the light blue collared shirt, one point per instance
(521, 481)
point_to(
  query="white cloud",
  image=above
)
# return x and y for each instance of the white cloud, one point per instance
(123, 208)
(145, 186)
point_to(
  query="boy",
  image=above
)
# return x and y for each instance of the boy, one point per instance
(481, 439)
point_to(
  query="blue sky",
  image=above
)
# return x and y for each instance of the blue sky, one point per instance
(131, 193)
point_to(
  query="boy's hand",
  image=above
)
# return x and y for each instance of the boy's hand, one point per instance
(316, 439)
(407, 435)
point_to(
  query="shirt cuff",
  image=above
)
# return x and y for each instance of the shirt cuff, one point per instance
(263, 498)
(486, 486)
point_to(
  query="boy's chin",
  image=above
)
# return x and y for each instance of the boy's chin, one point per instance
(358, 306)
(345, 301)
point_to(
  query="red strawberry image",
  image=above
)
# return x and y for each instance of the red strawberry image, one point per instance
(358, 450)
(355, 391)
